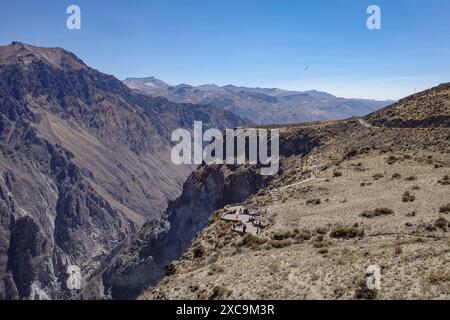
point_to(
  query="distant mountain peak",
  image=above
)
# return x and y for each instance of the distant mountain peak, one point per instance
(25, 54)
(262, 105)
(149, 82)
(320, 94)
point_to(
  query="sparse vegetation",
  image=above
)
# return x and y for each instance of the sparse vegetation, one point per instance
(396, 176)
(220, 293)
(441, 223)
(278, 244)
(251, 241)
(430, 227)
(321, 230)
(198, 252)
(408, 197)
(350, 154)
(437, 277)
(170, 269)
(337, 174)
(377, 213)
(363, 184)
(378, 176)
(214, 269)
(407, 157)
(314, 201)
(445, 181)
(346, 232)
(445, 208)
(303, 235)
(411, 178)
(410, 243)
(282, 234)
(392, 159)
(364, 293)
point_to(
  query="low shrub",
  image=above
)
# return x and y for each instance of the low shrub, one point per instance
(337, 174)
(303, 235)
(251, 241)
(392, 159)
(314, 201)
(170, 269)
(378, 176)
(445, 208)
(411, 214)
(350, 154)
(396, 176)
(282, 234)
(445, 181)
(346, 232)
(198, 252)
(377, 213)
(278, 244)
(219, 293)
(408, 197)
(441, 223)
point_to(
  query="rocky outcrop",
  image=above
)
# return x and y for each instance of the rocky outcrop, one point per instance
(142, 262)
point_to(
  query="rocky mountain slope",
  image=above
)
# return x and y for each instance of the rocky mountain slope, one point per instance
(379, 196)
(84, 163)
(263, 106)
(430, 108)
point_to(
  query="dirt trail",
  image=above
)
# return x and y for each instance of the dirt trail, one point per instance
(366, 124)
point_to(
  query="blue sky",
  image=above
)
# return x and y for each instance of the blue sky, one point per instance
(265, 43)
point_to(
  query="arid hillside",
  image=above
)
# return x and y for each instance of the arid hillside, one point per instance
(350, 194)
(430, 108)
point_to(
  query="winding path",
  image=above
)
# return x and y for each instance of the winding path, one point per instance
(366, 124)
(275, 193)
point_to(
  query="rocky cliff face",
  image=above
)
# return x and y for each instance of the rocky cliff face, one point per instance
(84, 163)
(143, 262)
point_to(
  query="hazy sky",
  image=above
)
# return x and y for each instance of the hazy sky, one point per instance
(248, 42)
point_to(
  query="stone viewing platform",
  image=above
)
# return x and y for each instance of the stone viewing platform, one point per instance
(247, 218)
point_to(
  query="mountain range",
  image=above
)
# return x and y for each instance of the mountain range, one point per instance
(84, 163)
(261, 105)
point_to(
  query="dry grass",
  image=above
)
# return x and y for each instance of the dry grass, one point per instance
(323, 251)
